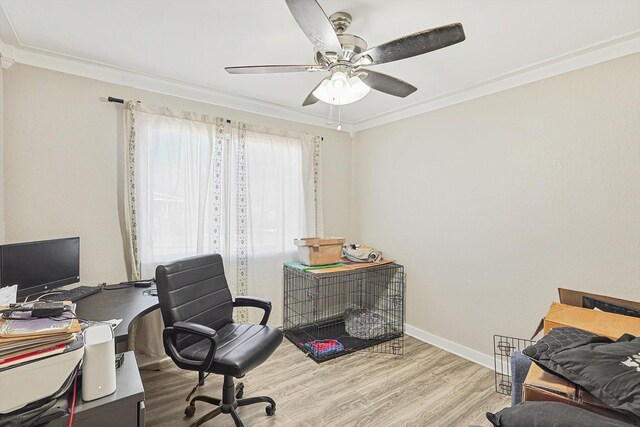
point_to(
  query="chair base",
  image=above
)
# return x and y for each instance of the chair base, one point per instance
(231, 399)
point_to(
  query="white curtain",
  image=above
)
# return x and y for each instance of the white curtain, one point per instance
(203, 185)
(174, 186)
(281, 207)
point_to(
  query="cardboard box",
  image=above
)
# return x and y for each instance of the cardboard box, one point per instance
(541, 385)
(577, 299)
(599, 322)
(316, 251)
(611, 323)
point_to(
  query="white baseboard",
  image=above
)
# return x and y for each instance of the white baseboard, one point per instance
(450, 346)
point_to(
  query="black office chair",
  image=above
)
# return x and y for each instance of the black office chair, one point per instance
(200, 334)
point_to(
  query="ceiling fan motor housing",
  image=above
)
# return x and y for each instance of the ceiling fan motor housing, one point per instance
(351, 46)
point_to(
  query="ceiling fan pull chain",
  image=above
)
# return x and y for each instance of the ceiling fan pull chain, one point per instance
(339, 117)
(330, 118)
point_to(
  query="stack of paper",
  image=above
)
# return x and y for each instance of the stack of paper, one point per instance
(23, 339)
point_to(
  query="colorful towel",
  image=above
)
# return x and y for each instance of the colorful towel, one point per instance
(323, 348)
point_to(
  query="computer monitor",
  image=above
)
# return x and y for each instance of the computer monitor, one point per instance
(40, 266)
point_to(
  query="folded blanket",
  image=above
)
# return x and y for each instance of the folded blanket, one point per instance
(608, 370)
(368, 325)
(323, 348)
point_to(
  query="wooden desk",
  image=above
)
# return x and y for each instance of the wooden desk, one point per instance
(127, 304)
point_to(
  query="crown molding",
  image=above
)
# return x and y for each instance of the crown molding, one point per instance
(6, 62)
(160, 84)
(7, 55)
(624, 45)
(591, 55)
(37, 57)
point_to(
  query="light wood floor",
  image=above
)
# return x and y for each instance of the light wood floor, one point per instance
(424, 387)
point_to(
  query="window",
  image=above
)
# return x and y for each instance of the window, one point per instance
(203, 185)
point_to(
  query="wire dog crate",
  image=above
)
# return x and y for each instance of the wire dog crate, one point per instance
(327, 315)
(502, 349)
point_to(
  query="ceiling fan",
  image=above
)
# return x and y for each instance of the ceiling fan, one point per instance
(345, 56)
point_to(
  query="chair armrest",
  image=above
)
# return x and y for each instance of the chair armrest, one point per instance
(257, 303)
(168, 337)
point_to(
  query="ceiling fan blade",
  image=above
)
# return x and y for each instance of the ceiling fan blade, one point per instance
(315, 25)
(414, 44)
(269, 69)
(387, 84)
(311, 99)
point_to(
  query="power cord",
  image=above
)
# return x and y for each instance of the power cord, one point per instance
(73, 401)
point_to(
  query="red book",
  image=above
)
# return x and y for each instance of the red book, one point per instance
(38, 354)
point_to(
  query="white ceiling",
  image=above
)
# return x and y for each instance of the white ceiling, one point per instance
(192, 41)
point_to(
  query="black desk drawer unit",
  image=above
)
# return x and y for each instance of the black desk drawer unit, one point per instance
(125, 407)
(327, 315)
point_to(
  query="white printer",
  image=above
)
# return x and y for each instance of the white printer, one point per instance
(34, 380)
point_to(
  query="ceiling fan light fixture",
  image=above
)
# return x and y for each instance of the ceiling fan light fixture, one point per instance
(338, 81)
(341, 90)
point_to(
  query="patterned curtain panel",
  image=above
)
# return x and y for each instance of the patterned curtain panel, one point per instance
(198, 184)
(130, 221)
(274, 192)
(317, 187)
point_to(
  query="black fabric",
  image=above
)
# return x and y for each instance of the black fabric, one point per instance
(626, 337)
(559, 338)
(30, 417)
(41, 411)
(59, 409)
(609, 307)
(550, 414)
(194, 290)
(241, 348)
(609, 371)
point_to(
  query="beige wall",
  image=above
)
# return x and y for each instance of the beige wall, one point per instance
(490, 204)
(62, 157)
(494, 203)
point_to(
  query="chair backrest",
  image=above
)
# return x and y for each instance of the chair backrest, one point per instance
(194, 290)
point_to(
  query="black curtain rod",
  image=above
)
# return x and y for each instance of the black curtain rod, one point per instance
(121, 101)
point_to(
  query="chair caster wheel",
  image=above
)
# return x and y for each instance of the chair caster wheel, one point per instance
(239, 390)
(270, 410)
(190, 410)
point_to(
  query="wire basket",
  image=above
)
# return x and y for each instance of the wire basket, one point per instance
(503, 347)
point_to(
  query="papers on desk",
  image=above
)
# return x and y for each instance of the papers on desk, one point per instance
(32, 354)
(25, 328)
(24, 339)
(13, 348)
(17, 352)
(22, 325)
